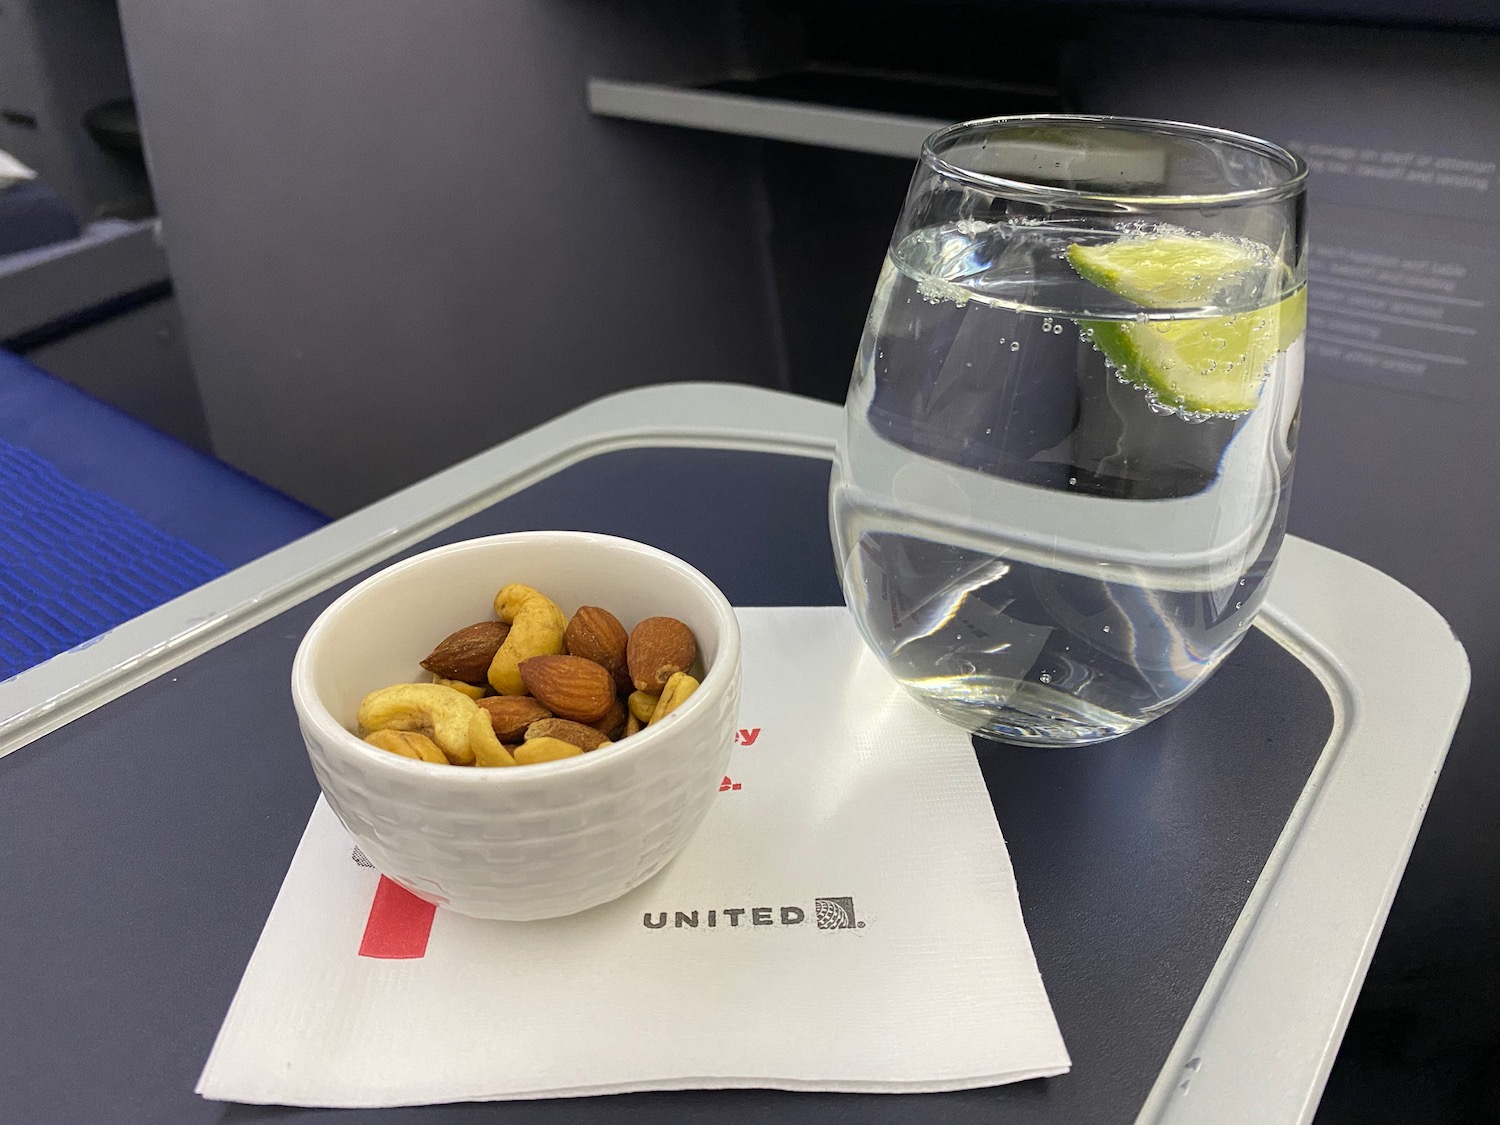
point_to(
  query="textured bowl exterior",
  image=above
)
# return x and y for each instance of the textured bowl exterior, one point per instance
(534, 841)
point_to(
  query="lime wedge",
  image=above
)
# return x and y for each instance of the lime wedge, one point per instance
(1211, 365)
(1165, 270)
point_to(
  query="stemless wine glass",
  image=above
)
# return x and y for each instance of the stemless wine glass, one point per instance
(1068, 444)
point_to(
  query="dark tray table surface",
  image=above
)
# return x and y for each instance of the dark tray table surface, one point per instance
(146, 841)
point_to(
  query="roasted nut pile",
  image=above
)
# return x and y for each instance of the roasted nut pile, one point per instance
(534, 686)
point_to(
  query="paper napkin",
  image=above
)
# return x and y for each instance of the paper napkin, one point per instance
(845, 919)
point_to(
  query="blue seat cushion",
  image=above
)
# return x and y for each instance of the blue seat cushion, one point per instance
(220, 510)
(103, 517)
(74, 564)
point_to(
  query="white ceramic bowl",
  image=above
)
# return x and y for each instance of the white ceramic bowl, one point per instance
(527, 842)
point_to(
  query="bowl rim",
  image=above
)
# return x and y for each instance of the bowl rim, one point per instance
(716, 679)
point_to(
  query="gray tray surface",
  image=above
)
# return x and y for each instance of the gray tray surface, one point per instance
(145, 842)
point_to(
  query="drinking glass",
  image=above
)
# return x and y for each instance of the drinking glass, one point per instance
(1063, 478)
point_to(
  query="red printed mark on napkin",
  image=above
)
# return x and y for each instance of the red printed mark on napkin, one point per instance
(399, 923)
(745, 737)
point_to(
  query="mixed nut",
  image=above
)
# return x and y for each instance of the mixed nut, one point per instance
(534, 686)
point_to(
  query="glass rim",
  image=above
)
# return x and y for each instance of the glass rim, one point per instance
(1293, 164)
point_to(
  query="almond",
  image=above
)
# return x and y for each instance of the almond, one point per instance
(466, 654)
(613, 723)
(512, 714)
(658, 648)
(585, 738)
(569, 686)
(596, 634)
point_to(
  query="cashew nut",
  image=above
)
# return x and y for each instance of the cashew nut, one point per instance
(408, 744)
(535, 750)
(676, 692)
(536, 625)
(511, 598)
(488, 749)
(439, 712)
(473, 691)
(642, 705)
